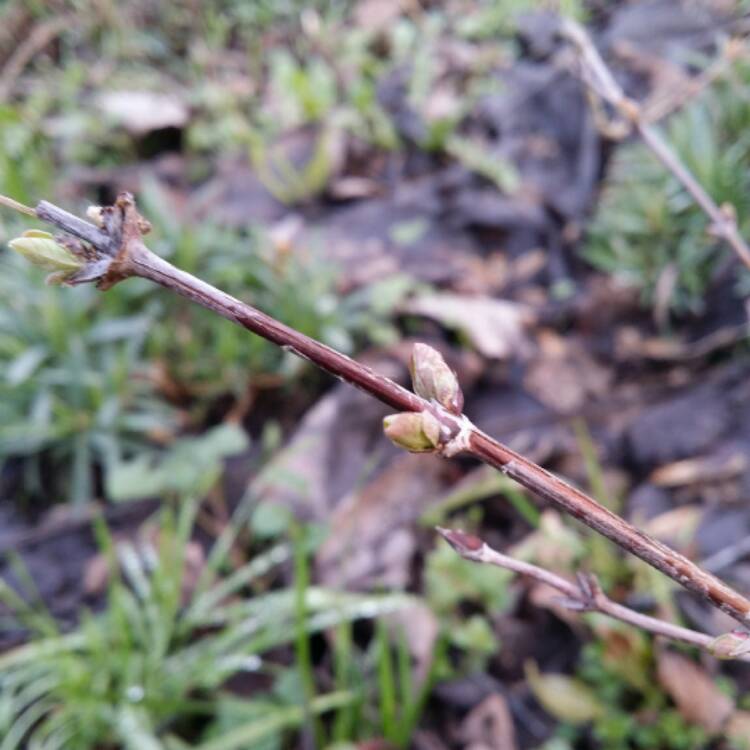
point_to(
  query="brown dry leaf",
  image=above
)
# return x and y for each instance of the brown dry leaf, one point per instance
(695, 694)
(141, 112)
(725, 465)
(489, 726)
(96, 575)
(675, 527)
(334, 445)
(352, 187)
(564, 376)
(372, 529)
(497, 328)
(420, 626)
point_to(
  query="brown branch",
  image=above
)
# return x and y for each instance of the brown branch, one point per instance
(584, 596)
(122, 227)
(600, 80)
(16, 206)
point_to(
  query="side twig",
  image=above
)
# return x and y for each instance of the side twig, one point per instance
(599, 78)
(432, 420)
(586, 595)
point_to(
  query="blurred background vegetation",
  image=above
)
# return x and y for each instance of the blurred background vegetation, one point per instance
(152, 437)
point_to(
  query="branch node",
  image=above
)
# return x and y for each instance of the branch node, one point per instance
(125, 226)
(460, 441)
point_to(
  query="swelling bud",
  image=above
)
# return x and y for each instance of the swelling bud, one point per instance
(41, 249)
(730, 645)
(434, 380)
(417, 432)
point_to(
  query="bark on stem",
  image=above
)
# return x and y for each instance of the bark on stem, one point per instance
(596, 516)
(122, 227)
(586, 596)
(142, 262)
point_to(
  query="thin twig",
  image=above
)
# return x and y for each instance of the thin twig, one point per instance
(16, 206)
(673, 100)
(585, 596)
(602, 82)
(122, 224)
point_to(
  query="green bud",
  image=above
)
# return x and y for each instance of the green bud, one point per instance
(418, 432)
(41, 249)
(730, 645)
(434, 380)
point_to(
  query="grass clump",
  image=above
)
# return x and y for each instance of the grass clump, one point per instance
(151, 670)
(647, 230)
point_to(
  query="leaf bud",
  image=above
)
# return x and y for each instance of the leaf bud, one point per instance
(730, 645)
(41, 249)
(417, 432)
(434, 380)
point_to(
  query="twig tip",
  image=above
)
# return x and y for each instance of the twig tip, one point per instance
(463, 543)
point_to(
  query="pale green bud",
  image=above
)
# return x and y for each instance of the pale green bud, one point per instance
(434, 380)
(730, 645)
(418, 432)
(41, 249)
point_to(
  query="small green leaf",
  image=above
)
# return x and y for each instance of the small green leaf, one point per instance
(565, 698)
(41, 249)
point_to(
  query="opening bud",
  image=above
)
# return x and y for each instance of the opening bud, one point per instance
(41, 249)
(434, 380)
(730, 645)
(417, 432)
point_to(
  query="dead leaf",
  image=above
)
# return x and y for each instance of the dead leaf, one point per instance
(564, 376)
(497, 328)
(352, 187)
(694, 692)
(335, 443)
(372, 529)
(723, 465)
(489, 726)
(141, 112)
(420, 626)
(675, 527)
(96, 575)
